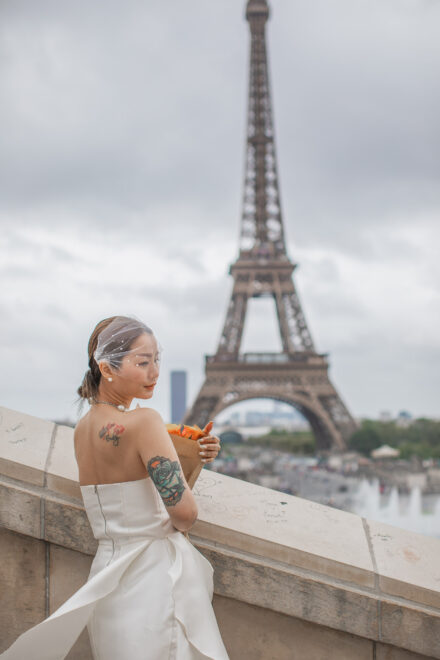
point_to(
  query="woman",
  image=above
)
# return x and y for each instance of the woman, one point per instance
(149, 591)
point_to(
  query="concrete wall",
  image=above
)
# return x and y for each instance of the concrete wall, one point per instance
(293, 579)
(37, 577)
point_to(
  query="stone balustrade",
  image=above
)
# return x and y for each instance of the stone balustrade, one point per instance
(293, 579)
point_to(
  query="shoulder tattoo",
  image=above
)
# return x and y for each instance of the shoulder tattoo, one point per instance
(167, 477)
(112, 433)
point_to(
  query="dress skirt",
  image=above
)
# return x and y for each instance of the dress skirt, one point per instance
(149, 592)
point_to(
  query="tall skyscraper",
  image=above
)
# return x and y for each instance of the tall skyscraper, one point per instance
(178, 396)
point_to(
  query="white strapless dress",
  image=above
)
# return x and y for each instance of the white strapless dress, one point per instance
(149, 592)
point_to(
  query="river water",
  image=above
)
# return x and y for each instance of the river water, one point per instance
(414, 511)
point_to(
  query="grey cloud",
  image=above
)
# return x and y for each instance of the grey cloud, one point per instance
(124, 124)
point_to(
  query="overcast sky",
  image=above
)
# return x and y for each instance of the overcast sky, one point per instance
(121, 167)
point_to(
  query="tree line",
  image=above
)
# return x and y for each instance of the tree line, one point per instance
(420, 438)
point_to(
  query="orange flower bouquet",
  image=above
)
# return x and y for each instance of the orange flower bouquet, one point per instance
(185, 438)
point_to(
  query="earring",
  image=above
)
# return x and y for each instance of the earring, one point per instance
(110, 379)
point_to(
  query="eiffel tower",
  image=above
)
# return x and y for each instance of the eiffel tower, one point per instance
(298, 374)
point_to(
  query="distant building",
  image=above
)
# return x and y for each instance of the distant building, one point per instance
(255, 418)
(255, 431)
(279, 418)
(231, 436)
(178, 396)
(235, 418)
(385, 416)
(385, 451)
(404, 419)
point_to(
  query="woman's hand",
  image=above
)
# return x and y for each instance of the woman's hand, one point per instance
(209, 445)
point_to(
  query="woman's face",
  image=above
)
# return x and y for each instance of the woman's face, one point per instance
(139, 369)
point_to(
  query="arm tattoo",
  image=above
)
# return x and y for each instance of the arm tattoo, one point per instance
(112, 433)
(167, 477)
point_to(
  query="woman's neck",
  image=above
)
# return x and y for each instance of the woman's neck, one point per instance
(109, 395)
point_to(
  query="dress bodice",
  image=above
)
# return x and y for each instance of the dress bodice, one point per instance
(126, 510)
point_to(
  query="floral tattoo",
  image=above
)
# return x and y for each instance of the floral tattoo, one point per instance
(112, 433)
(166, 475)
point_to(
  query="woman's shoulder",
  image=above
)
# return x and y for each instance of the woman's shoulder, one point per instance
(145, 425)
(144, 413)
(139, 417)
(80, 424)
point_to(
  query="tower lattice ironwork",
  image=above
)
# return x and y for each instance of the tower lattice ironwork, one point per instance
(298, 374)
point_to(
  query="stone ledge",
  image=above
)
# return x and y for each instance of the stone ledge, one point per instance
(268, 548)
(305, 596)
(24, 446)
(241, 575)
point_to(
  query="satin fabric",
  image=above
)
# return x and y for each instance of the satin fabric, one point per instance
(149, 592)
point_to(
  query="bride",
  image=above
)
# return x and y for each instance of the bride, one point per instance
(149, 592)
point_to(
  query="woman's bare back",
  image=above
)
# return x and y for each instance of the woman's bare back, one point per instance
(106, 448)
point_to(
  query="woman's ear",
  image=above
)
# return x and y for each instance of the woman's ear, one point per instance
(105, 370)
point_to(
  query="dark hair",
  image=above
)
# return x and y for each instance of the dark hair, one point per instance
(92, 378)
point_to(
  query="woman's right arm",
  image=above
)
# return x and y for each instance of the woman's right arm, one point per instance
(159, 456)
